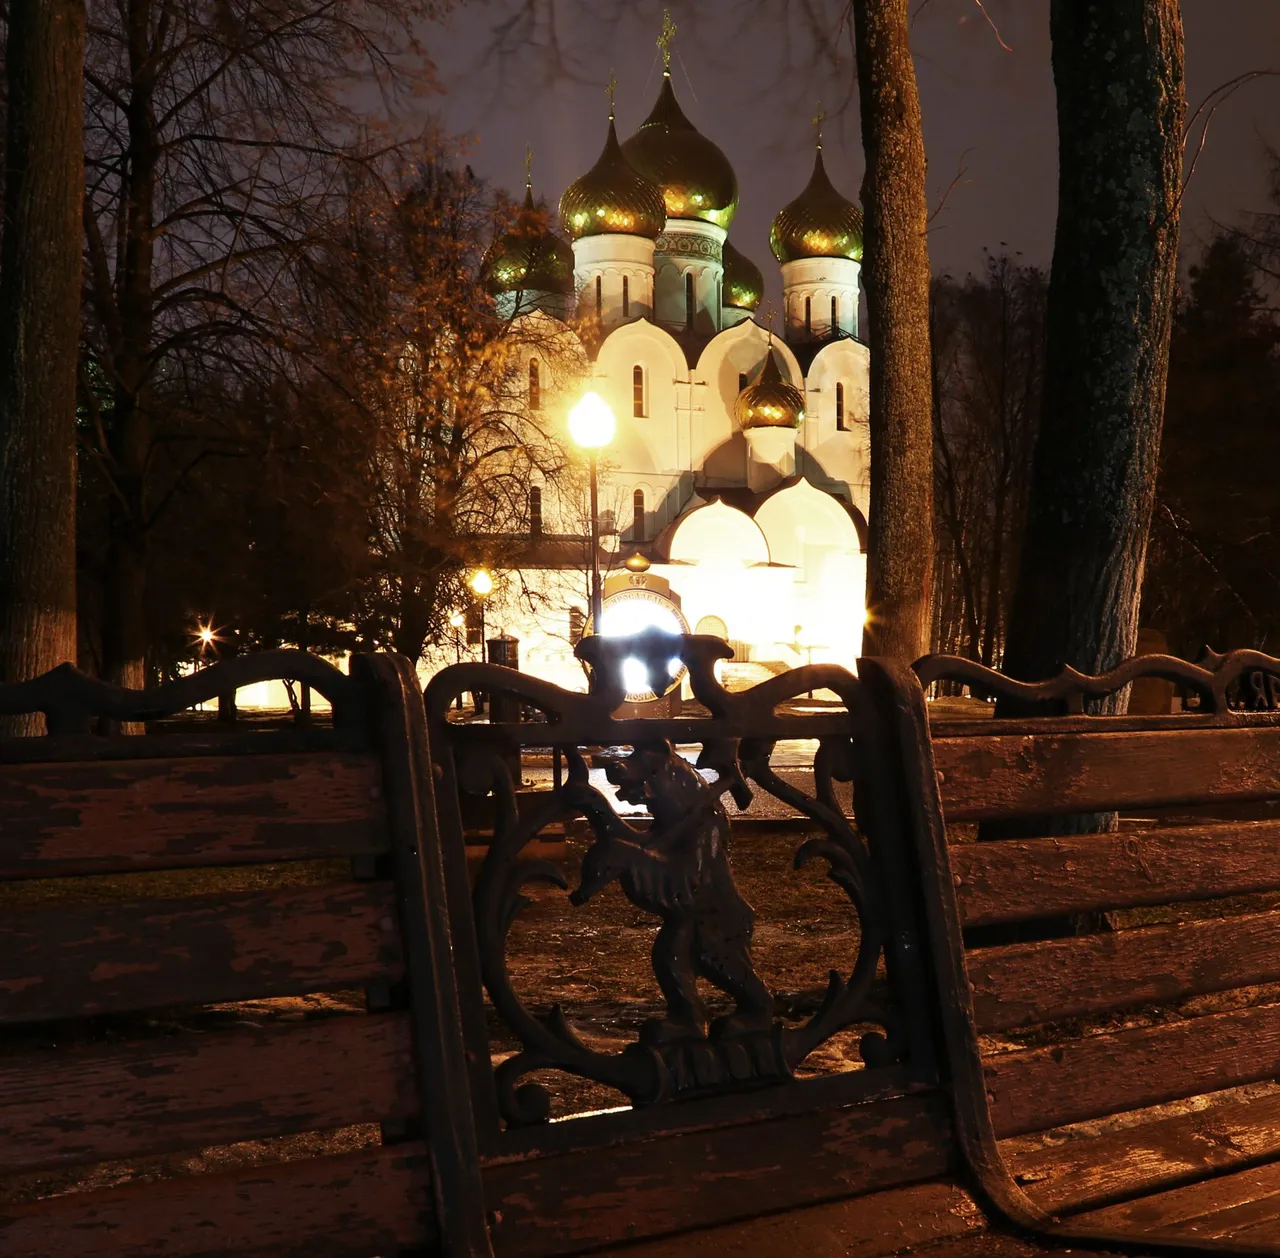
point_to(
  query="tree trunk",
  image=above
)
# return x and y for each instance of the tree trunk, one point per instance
(39, 338)
(896, 276)
(1118, 70)
(124, 635)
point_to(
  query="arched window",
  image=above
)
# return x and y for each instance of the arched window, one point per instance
(535, 512)
(835, 315)
(638, 523)
(840, 408)
(626, 297)
(599, 295)
(742, 380)
(637, 390)
(535, 385)
(808, 316)
(688, 298)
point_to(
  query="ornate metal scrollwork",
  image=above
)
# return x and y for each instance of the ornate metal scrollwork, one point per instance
(1246, 680)
(677, 870)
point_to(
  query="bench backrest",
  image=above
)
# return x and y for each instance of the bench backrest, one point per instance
(216, 994)
(1114, 968)
(691, 1127)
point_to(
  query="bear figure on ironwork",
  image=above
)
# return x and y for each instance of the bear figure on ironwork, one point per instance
(679, 871)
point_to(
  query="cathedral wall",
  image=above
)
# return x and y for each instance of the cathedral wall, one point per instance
(613, 276)
(689, 275)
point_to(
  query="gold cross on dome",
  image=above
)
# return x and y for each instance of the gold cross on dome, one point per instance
(818, 119)
(610, 90)
(666, 38)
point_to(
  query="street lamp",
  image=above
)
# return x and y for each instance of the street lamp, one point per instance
(592, 425)
(481, 584)
(456, 621)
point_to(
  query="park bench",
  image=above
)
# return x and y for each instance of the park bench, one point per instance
(221, 978)
(436, 1103)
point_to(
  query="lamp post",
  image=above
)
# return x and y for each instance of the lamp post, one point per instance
(592, 425)
(456, 621)
(481, 585)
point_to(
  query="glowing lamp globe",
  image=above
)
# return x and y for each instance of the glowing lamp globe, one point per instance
(591, 422)
(481, 583)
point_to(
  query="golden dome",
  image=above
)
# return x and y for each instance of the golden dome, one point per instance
(530, 257)
(694, 175)
(769, 401)
(612, 198)
(819, 223)
(743, 282)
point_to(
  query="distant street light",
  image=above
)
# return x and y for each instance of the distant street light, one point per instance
(592, 426)
(481, 585)
(456, 621)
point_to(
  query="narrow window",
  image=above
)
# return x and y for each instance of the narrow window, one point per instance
(808, 316)
(626, 297)
(742, 381)
(840, 408)
(535, 386)
(637, 390)
(835, 315)
(599, 295)
(577, 623)
(688, 299)
(637, 516)
(535, 512)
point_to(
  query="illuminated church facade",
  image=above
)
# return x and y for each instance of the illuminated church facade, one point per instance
(738, 476)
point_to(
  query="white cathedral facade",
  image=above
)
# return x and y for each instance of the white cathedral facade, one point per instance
(738, 476)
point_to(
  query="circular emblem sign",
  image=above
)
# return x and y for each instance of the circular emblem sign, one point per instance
(633, 610)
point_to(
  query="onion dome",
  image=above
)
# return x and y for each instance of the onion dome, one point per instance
(530, 257)
(612, 198)
(819, 223)
(694, 175)
(769, 401)
(743, 282)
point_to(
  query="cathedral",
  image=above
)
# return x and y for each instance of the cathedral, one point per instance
(736, 484)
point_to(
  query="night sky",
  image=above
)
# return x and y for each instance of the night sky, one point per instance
(749, 78)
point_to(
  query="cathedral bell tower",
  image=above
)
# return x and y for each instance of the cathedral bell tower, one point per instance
(613, 214)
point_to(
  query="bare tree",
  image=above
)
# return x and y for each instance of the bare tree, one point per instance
(1118, 68)
(217, 138)
(988, 353)
(39, 329)
(434, 386)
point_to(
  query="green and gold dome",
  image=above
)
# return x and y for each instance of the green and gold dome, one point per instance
(819, 223)
(530, 257)
(743, 282)
(769, 401)
(612, 198)
(695, 176)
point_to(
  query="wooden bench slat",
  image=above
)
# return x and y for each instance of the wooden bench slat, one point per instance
(1108, 1074)
(1018, 879)
(1095, 1171)
(875, 1226)
(112, 816)
(1021, 984)
(91, 959)
(348, 1206)
(1223, 1206)
(1012, 775)
(583, 1200)
(119, 1101)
